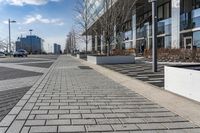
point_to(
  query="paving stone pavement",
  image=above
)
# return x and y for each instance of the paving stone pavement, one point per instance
(22, 67)
(41, 64)
(72, 98)
(16, 79)
(30, 58)
(10, 73)
(20, 60)
(9, 98)
(141, 71)
(17, 83)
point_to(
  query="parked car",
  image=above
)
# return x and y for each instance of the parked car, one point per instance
(20, 53)
(2, 54)
(8, 53)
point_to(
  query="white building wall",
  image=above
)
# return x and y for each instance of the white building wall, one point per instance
(184, 82)
(175, 24)
(134, 30)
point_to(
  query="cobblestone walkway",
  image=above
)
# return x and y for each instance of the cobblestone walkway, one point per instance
(72, 98)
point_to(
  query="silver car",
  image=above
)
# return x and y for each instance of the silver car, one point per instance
(2, 54)
(20, 53)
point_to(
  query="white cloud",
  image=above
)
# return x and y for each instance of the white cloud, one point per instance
(5, 22)
(27, 2)
(39, 18)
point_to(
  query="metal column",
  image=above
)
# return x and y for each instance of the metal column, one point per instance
(9, 38)
(154, 35)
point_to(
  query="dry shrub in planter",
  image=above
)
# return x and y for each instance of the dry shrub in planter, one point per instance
(130, 51)
(175, 55)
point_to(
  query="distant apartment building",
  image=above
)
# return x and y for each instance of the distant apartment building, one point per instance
(57, 48)
(178, 23)
(32, 44)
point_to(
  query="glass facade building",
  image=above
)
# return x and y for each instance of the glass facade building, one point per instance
(32, 44)
(57, 48)
(178, 24)
(96, 9)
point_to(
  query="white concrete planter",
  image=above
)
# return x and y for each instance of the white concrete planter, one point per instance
(111, 59)
(184, 82)
(80, 56)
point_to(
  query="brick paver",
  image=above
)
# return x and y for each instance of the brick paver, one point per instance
(9, 98)
(70, 98)
(141, 71)
(17, 83)
(9, 73)
(40, 64)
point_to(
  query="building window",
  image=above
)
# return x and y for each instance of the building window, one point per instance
(161, 43)
(167, 41)
(196, 39)
(164, 11)
(160, 12)
(167, 10)
(196, 4)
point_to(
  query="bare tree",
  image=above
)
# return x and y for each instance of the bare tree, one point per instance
(71, 42)
(83, 20)
(3, 45)
(115, 13)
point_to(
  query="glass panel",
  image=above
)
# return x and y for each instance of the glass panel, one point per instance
(161, 42)
(140, 32)
(167, 41)
(196, 18)
(128, 35)
(166, 10)
(190, 20)
(160, 12)
(164, 27)
(196, 39)
(196, 4)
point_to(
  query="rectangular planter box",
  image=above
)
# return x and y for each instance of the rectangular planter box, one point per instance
(81, 56)
(184, 82)
(111, 59)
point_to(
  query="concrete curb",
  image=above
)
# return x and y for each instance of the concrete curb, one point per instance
(183, 107)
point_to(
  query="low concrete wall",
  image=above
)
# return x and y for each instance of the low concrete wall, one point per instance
(80, 56)
(111, 59)
(184, 82)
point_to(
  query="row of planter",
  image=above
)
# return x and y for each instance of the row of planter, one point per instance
(184, 81)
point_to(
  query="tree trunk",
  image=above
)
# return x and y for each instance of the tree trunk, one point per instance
(108, 48)
(86, 42)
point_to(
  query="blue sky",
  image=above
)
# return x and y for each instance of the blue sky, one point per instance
(49, 19)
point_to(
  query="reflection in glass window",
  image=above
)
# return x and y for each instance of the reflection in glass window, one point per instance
(167, 41)
(196, 39)
(166, 10)
(196, 4)
(160, 42)
(128, 35)
(160, 12)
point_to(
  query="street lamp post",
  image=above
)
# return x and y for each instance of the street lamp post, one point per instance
(30, 30)
(9, 40)
(154, 35)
